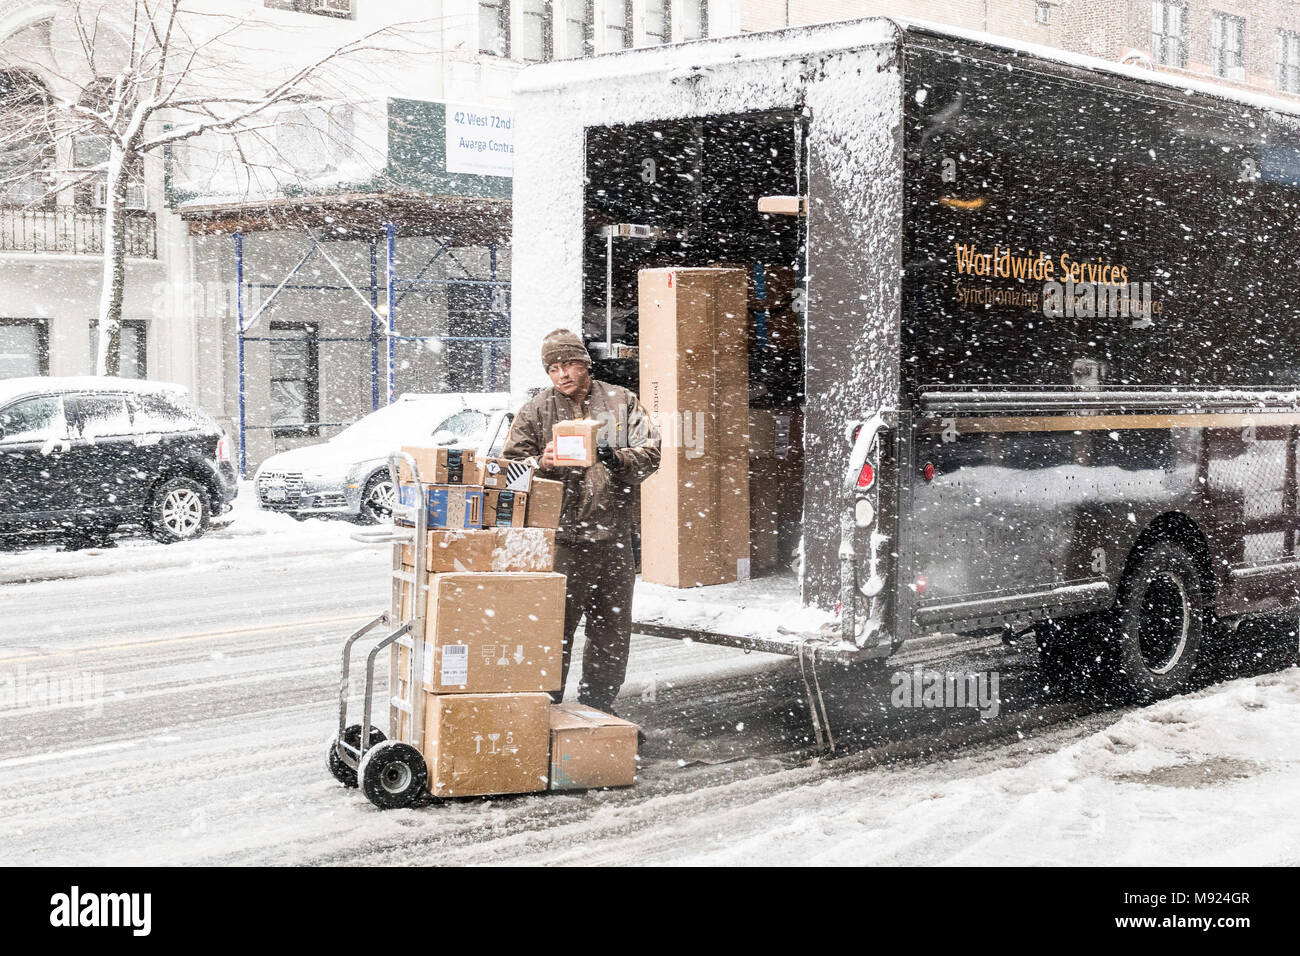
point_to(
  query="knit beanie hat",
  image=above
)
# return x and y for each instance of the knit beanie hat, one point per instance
(563, 346)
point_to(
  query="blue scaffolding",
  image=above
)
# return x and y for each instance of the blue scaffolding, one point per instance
(383, 324)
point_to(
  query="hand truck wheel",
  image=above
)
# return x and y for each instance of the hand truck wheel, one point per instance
(352, 736)
(392, 775)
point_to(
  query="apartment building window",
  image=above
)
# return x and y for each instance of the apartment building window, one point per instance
(132, 348)
(537, 39)
(24, 347)
(695, 19)
(494, 27)
(618, 24)
(343, 9)
(1228, 45)
(1043, 13)
(1168, 33)
(658, 22)
(295, 378)
(579, 27)
(28, 151)
(1288, 61)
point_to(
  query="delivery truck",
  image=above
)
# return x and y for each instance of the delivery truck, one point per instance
(1043, 311)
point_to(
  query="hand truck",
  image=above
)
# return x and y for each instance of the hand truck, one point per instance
(391, 772)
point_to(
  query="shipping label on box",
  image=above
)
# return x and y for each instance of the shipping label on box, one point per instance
(545, 504)
(575, 442)
(447, 506)
(502, 473)
(510, 624)
(590, 749)
(479, 744)
(439, 466)
(492, 549)
(504, 509)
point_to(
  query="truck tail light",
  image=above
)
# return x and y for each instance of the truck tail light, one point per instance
(223, 449)
(866, 477)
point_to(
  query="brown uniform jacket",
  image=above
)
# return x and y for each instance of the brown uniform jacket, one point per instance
(600, 503)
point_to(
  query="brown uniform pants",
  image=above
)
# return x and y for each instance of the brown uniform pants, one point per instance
(599, 580)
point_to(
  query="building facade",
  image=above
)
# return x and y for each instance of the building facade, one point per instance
(1253, 44)
(365, 254)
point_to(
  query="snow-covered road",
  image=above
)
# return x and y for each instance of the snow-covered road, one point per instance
(211, 679)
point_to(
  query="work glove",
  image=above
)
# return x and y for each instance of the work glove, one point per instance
(605, 454)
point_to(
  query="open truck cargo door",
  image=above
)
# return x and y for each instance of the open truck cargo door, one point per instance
(673, 158)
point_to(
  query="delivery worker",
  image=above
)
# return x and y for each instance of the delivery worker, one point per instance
(599, 512)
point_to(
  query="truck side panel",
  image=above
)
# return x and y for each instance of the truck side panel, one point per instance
(1091, 327)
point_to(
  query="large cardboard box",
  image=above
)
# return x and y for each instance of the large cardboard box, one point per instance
(492, 549)
(503, 474)
(490, 633)
(590, 749)
(575, 442)
(447, 506)
(504, 509)
(477, 744)
(695, 385)
(545, 504)
(439, 466)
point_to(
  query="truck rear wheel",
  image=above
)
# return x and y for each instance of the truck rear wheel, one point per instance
(1159, 621)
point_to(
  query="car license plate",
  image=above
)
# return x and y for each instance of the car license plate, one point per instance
(276, 494)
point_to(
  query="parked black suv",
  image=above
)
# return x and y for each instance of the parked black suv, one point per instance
(83, 455)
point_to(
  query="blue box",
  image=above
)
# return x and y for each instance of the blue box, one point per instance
(448, 506)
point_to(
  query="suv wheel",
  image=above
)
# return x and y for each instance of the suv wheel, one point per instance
(378, 498)
(180, 511)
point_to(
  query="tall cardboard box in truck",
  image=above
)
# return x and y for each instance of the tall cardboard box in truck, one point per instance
(695, 385)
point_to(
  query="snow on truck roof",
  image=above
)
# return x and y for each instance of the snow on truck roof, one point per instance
(11, 388)
(845, 35)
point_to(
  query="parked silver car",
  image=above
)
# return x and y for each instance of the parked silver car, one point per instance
(348, 475)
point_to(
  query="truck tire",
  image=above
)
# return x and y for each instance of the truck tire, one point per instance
(1160, 619)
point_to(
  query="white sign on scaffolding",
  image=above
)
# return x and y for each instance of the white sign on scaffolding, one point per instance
(480, 140)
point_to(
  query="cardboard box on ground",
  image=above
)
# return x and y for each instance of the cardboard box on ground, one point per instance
(481, 744)
(590, 749)
(695, 384)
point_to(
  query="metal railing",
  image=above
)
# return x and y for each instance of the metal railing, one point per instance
(73, 230)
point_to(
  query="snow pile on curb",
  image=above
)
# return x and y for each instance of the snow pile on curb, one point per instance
(246, 531)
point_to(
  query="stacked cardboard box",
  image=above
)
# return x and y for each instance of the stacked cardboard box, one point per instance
(695, 383)
(493, 626)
